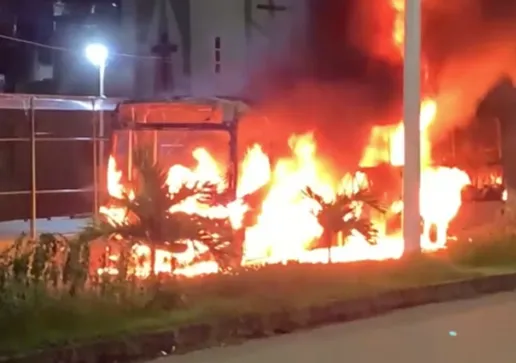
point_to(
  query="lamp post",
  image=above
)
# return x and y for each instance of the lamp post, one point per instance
(97, 54)
(411, 115)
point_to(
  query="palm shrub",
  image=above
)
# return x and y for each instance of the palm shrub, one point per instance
(152, 218)
(340, 215)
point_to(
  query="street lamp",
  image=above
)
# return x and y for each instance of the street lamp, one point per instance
(98, 54)
(412, 140)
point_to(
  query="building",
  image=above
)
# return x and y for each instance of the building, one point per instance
(203, 47)
(160, 47)
(54, 23)
(196, 47)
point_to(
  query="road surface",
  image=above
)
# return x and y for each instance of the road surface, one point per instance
(473, 331)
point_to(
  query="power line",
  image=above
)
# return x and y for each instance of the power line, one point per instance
(69, 50)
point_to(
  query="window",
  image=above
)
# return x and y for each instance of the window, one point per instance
(217, 54)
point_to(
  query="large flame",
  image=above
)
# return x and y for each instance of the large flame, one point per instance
(440, 191)
(287, 225)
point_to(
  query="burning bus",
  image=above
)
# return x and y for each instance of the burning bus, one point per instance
(196, 140)
(454, 170)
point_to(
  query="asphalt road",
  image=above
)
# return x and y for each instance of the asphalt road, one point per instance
(472, 331)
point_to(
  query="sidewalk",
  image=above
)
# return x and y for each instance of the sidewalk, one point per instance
(12, 229)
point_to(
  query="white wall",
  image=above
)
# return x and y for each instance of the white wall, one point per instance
(160, 11)
(271, 34)
(224, 19)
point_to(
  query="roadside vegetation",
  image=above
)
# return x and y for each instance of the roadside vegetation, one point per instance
(51, 291)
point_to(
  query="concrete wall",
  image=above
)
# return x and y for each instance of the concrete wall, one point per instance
(271, 33)
(223, 19)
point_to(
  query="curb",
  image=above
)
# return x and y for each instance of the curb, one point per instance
(197, 336)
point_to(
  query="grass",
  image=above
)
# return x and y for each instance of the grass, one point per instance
(39, 318)
(497, 255)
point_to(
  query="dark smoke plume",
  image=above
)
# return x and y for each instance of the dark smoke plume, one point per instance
(470, 44)
(325, 83)
(345, 76)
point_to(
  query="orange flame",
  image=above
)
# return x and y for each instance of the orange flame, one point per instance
(287, 226)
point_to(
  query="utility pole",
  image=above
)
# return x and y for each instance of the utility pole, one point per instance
(412, 140)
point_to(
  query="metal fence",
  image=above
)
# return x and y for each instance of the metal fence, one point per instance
(32, 138)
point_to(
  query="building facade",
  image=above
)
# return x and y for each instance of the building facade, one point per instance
(159, 47)
(204, 47)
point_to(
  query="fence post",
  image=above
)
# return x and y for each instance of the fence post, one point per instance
(101, 144)
(94, 162)
(33, 187)
(130, 155)
(498, 124)
(233, 156)
(155, 146)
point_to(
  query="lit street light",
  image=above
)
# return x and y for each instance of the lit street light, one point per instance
(412, 140)
(98, 55)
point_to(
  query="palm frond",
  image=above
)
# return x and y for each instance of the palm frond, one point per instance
(367, 198)
(209, 194)
(97, 229)
(254, 201)
(181, 226)
(151, 216)
(340, 215)
(362, 226)
(183, 193)
(217, 236)
(311, 194)
(151, 189)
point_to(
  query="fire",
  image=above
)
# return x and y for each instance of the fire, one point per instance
(277, 234)
(440, 193)
(115, 189)
(398, 29)
(386, 144)
(286, 226)
(440, 200)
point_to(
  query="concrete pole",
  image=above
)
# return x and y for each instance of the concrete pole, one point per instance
(411, 110)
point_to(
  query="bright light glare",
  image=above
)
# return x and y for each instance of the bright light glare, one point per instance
(97, 54)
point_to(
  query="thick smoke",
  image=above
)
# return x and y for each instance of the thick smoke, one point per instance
(346, 76)
(320, 81)
(467, 44)
(470, 45)
(339, 115)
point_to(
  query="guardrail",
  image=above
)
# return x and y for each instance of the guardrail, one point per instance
(32, 103)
